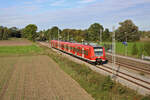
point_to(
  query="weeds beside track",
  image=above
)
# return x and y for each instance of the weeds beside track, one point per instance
(99, 86)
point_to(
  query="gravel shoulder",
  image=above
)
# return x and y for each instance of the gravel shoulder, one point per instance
(40, 78)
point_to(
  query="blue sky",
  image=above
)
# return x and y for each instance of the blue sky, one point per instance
(79, 14)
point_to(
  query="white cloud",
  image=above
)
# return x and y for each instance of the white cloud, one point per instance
(86, 1)
(108, 13)
(58, 3)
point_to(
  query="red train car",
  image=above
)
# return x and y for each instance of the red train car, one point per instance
(94, 54)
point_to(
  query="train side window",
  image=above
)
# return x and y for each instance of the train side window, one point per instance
(85, 52)
(80, 51)
(74, 49)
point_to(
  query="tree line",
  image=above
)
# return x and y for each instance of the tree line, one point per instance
(127, 31)
(6, 33)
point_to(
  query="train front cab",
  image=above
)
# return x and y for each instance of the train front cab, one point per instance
(99, 55)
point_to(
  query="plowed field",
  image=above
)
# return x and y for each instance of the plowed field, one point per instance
(37, 78)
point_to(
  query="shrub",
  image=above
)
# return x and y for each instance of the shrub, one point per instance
(140, 52)
(146, 98)
(121, 90)
(147, 48)
(135, 49)
(108, 83)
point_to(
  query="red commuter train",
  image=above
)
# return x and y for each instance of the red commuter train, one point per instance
(93, 54)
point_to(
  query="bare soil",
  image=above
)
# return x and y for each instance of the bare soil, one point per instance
(40, 78)
(15, 42)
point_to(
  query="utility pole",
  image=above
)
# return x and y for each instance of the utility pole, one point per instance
(100, 36)
(113, 52)
(50, 41)
(126, 45)
(68, 36)
(58, 37)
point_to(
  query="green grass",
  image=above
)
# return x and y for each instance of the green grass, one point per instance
(121, 49)
(100, 87)
(13, 50)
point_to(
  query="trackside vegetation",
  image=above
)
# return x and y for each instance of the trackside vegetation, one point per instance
(134, 49)
(100, 87)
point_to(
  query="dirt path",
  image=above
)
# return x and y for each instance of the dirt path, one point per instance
(40, 78)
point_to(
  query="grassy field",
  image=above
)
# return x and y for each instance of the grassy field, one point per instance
(121, 49)
(19, 47)
(99, 86)
(18, 50)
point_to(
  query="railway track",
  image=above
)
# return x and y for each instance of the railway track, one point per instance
(137, 82)
(139, 63)
(128, 77)
(130, 65)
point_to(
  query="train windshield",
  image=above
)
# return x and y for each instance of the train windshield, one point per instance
(98, 51)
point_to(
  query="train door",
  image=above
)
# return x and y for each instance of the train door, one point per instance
(76, 49)
(73, 49)
(86, 53)
(82, 52)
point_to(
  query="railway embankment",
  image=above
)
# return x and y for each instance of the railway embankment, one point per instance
(98, 85)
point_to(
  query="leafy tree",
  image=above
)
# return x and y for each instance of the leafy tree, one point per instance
(106, 35)
(127, 31)
(15, 32)
(1, 32)
(145, 34)
(79, 35)
(65, 34)
(54, 32)
(94, 31)
(30, 32)
(4, 33)
(41, 36)
(86, 36)
(73, 34)
(48, 34)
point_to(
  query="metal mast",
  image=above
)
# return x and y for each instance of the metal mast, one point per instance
(100, 36)
(113, 52)
(58, 37)
(68, 36)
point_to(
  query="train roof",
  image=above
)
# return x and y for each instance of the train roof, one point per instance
(79, 44)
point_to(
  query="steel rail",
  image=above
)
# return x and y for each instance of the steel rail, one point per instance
(131, 67)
